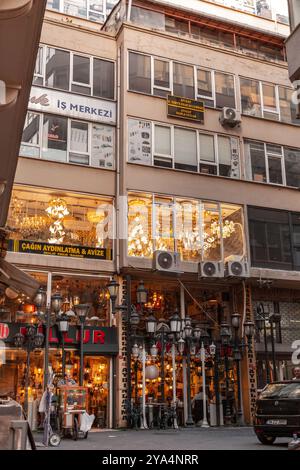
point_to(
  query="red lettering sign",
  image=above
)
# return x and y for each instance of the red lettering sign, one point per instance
(98, 337)
(52, 339)
(86, 336)
(4, 331)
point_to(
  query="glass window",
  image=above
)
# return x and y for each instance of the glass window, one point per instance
(164, 223)
(81, 74)
(103, 145)
(274, 155)
(163, 146)
(224, 154)
(104, 79)
(38, 215)
(140, 239)
(288, 109)
(270, 240)
(139, 73)
(205, 89)
(225, 94)
(184, 81)
(31, 136)
(57, 69)
(76, 7)
(79, 146)
(211, 234)
(96, 10)
(151, 19)
(258, 161)
(172, 25)
(233, 233)
(38, 71)
(188, 237)
(185, 148)
(292, 167)
(269, 102)
(140, 142)
(55, 138)
(250, 95)
(207, 154)
(161, 77)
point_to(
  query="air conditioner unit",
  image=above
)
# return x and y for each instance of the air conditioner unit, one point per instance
(230, 117)
(166, 261)
(211, 269)
(237, 269)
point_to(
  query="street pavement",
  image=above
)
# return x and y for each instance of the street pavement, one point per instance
(223, 438)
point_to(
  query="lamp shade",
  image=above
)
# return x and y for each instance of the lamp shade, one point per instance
(113, 289)
(249, 328)
(188, 329)
(63, 323)
(141, 294)
(225, 333)
(151, 323)
(153, 350)
(151, 372)
(259, 322)
(235, 320)
(38, 340)
(81, 311)
(135, 351)
(175, 323)
(212, 349)
(56, 302)
(30, 331)
(197, 332)
(19, 340)
(134, 318)
(40, 298)
(181, 345)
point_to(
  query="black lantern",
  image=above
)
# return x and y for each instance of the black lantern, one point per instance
(113, 289)
(40, 298)
(134, 318)
(249, 328)
(63, 323)
(225, 333)
(81, 311)
(235, 320)
(19, 340)
(151, 324)
(56, 302)
(175, 323)
(188, 329)
(141, 294)
(38, 340)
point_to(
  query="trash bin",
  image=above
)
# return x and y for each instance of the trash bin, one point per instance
(10, 410)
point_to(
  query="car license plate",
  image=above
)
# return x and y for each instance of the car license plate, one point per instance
(277, 422)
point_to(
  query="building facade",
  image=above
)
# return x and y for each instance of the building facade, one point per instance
(161, 147)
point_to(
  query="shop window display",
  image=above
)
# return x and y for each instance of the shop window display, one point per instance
(198, 230)
(70, 220)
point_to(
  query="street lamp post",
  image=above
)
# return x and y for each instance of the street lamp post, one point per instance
(63, 327)
(261, 325)
(30, 341)
(225, 334)
(81, 311)
(274, 320)
(236, 323)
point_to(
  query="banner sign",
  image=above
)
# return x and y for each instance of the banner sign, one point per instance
(185, 108)
(95, 339)
(41, 248)
(67, 104)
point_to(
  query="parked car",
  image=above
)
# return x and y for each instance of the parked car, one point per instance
(278, 411)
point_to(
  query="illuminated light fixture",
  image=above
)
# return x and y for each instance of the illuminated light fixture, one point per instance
(57, 211)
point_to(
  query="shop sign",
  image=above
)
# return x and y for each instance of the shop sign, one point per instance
(96, 340)
(41, 248)
(185, 108)
(67, 104)
(4, 331)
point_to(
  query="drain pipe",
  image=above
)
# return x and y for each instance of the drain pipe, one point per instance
(129, 10)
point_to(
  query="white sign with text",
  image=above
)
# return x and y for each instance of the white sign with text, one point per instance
(68, 104)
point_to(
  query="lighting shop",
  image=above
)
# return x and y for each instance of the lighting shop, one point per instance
(77, 302)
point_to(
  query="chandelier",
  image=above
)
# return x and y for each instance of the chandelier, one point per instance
(57, 210)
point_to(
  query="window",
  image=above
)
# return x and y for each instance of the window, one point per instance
(207, 154)
(225, 93)
(270, 238)
(81, 82)
(266, 162)
(139, 73)
(205, 87)
(268, 100)
(258, 161)
(274, 155)
(55, 138)
(292, 167)
(185, 149)
(57, 69)
(162, 147)
(162, 86)
(76, 7)
(151, 19)
(68, 140)
(198, 230)
(68, 71)
(175, 26)
(104, 79)
(183, 80)
(224, 153)
(80, 221)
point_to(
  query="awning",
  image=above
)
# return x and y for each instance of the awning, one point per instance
(16, 279)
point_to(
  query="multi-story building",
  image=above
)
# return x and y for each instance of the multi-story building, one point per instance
(162, 146)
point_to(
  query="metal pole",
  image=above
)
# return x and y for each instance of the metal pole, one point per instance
(204, 421)
(27, 379)
(273, 351)
(216, 387)
(174, 385)
(162, 384)
(238, 377)
(144, 419)
(47, 313)
(81, 351)
(63, 356)
(266, 353)
(189, 421)
(136, 381)
(227, 411)
(128, 350)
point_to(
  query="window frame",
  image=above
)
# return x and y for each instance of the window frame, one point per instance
(267, 154)
(152, 74)
(44, 47)
(265, 109)
(88, 9)
(69, 127)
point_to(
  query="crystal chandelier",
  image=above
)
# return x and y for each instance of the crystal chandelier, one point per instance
(57, 210)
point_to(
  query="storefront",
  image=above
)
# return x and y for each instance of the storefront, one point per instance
(100, 345)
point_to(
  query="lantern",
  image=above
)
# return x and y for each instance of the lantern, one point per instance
(151, 372)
